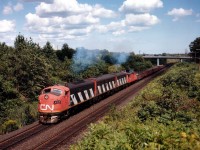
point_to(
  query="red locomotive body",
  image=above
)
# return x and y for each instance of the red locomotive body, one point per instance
(53, 100)
(131, 77)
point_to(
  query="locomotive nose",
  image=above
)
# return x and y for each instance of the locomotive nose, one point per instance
(46, 102)
(53, 101)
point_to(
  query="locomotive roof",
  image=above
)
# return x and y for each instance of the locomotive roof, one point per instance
(79, 83)
(105, 77)
(57, 86)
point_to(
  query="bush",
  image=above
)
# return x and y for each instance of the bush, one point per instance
(103, 136)
(9, 126)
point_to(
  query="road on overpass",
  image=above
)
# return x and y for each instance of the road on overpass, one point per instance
(167, 57)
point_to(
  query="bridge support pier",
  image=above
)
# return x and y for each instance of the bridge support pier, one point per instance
(181, 60)
(158, 61)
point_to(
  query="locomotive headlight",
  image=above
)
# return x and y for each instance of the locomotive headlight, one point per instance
(46, 96)
(57, 102)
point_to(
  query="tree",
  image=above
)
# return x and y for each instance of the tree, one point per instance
(23, 70)
(109, 59)
(48, 50)
(3, 50)
(195, 48)
(136, 63)
(20, 42)
(96, 69)
(115, 68)
(66, 51)
(3, 46)
(29, 118)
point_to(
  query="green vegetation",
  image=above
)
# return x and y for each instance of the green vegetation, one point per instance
(26, 68)
(195, 49)
(165, 115)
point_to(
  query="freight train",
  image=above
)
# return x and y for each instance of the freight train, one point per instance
(58, 100)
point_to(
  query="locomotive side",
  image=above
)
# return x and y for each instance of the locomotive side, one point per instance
(81, 91)
(57, 100)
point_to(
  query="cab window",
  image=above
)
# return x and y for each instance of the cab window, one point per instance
(45, 91)
(56, 92)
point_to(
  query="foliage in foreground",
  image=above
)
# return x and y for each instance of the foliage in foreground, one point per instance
(165, 117)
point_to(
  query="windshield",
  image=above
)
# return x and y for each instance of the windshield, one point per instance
(56, 92)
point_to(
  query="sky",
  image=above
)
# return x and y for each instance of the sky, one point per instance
(140, 26)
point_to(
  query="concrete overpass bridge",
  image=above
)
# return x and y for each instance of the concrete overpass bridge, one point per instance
(167, 57)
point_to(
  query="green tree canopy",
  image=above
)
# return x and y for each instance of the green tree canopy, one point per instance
(66, 51)
(136, 63)
(48, 50)
(195, 48)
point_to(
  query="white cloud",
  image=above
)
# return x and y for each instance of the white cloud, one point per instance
(131, 23)
(72, 7)
(81, 19)
(58, 21)
(8, 38)
(141, 19)
(10, 8)
(70, 22)
(101, 12)
(119, 32)
(178, 13)
(116, 28)
(140, 5)
(61, 8)
(7, 10)
(111, 27)
(71, 27)
(137, 28)
(72, 18)
(6, 26)
(47, 1)
(18, 7)
(34, 20)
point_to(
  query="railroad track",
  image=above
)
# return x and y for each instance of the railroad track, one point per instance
(22, 136)
(38, 137)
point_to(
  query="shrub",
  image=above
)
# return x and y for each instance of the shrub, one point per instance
(9, 126)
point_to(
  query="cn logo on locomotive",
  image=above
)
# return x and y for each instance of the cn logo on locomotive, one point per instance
(46, 107)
